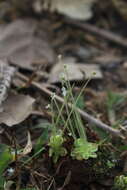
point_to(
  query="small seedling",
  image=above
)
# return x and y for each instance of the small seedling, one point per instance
(56, 147)
(84, 150)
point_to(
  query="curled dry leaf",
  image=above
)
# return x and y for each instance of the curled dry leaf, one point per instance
(16, 109)
(21, 45)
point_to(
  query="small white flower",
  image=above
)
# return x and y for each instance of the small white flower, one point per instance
(48, 106)
(62, 76)
(64, 91)
(10, 171)
(53, 96)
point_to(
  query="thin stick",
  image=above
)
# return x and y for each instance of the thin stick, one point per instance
(98, 31)
(84, 115)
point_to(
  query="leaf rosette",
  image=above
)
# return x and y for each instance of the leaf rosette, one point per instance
(56, 147)
(84, 150)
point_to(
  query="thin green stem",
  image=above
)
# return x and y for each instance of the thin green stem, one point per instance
(71, 128)
(53, 119)
(33, 156)
(72, 105)
(60, 113)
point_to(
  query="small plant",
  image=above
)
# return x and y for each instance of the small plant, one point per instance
(82, 149)
(114, 100)
(120, 183)
(56, 146)
(56, 140)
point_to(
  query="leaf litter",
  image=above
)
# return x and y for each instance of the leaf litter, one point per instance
(16, 109)
(30, 50)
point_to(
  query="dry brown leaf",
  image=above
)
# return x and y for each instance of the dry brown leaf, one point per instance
(75, 71)
(16, 109)
(20, 44)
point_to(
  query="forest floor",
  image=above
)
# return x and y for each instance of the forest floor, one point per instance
(39, 47)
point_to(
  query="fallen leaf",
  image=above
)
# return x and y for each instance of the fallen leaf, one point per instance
(77, 9)
(74, 71)
(16, 109)
(91, 71)
(21, 45)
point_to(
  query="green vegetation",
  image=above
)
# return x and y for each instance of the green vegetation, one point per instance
(56, 147)
(82, 149)
(114, 101)
(120, 183)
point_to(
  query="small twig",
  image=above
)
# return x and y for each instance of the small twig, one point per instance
(98, 31)
(84, 115)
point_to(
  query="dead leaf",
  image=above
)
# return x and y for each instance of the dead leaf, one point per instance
(89, 70)
(77, 9)
(28, 146)
(16, 109)
(20, 44)
(75, 71)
